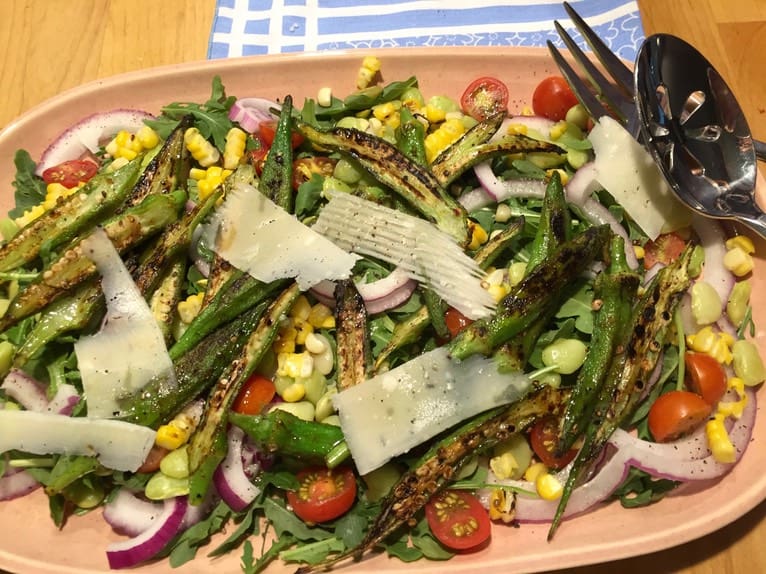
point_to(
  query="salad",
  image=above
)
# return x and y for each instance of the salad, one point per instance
(576, 290)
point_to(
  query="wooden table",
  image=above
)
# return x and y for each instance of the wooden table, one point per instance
(47, 46)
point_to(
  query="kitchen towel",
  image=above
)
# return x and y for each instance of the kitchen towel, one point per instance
(249, 27)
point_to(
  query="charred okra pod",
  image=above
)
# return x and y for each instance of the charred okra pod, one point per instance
(351, 335)
(276, 180)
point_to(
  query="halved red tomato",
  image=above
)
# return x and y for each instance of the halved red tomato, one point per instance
(552, 98)
(258, 154)
(456, 321)
(543, 438)
(706, 376)
(324, 494)
(676, 414)
(665, 249)
(70, 173)
(255, 394)
(458, 520)
(305, 167)
(484, 97)
(267, 131)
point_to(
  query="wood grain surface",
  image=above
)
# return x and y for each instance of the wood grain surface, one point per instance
(47, 46)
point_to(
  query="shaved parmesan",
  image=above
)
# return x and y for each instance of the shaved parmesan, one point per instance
(627, 171)
(129, 351)
(117, 444)
(394, 412)
(257, 236)
(414, 245)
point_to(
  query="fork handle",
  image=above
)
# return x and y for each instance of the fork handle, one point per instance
(760, 149)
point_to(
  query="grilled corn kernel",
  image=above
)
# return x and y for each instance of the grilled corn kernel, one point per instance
(527, 111)
(502, 505)
(301, 309)
(562, 174)
(294, 365)
(741, 241)
(170, 437)
(498, 292)
(370, 66)
(321, 317)
(201, 150)
(534, 471)
(147, 137)
(478, 235)
(639, 251)
(234, 150)
(447, 133)
(294, 393)
(504, 466)
(548, 486)
(517, 130)
(557, 130)
(719, 442)
(304, 329)
(738, 261)
(324, 97)
(189, 308)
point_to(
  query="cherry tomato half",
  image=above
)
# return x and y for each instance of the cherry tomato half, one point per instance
(305, 167)
(706, 376)
(665, 249)
(676, 414)
(458, 520)
(456, 321)
(255, 394)
(267, 131)
(543, 438)
(484, 97)
(323, 494)
(552, 98)
(70, 173)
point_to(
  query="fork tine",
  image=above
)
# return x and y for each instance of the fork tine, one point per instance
(589, 101)
(605, 87)
(613, 65)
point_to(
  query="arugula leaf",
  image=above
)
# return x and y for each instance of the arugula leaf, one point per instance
(67, 470)
(211, 118)
(308, 196)
(641, 489)
(579, 306)
(423, 540)
(285, 522)
(184, 547)
(313, 553)
(248, 524)
(30, 188)
(252, 566)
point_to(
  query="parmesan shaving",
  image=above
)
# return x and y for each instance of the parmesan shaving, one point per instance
(257, 236)
(129, 351)
(389, 414)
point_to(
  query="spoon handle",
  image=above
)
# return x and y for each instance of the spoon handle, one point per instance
(756, 223)
(760, 149)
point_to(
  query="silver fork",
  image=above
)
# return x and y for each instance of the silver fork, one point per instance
(616, 93)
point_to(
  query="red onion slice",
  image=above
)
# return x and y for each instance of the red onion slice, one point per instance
(25, 390)
(536, 123)
(17, 483)
(580, 188)
(250, 112)
(128, 553)
(128, 514)
(381, 295)
(87, 135)
(230, 479)
(713, 239)
(65, 400)
(596, 213)
(502, 189)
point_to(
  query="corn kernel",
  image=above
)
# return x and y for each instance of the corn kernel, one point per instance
(478, 236)
(548, 486)
(502, 505)
(534, 471)
(517, 129)
(190, 307)
(201, 150)
(371, 63)
(719, 442)
(147, 137)
(503, 213)
(382, 111)
(741, 241)
(324, 97)
(234, 150)
(301, 309)
(504, 466)
(738, 261)
(321, 317)
(294, 392)
(557, 130)
(364, 78)
(294, 365)
(639, 251)
(434, 114)
(304, 329)
(562, 174)
(117, 163)
(527, 111)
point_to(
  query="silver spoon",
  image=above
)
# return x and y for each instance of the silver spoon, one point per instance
(696, 131)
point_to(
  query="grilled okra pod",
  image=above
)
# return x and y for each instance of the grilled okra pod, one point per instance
(614, 293)
(411, 138)
(532, 296)
(283, 432)
(413, 182)
(205, 453)
(166, 296)
(439, 466)
(276, 180)
(555, 223)
(72, 268)
(625, 381)
(353, 347)
(71, 216)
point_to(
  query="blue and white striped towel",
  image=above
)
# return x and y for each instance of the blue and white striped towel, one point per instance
(249, 27)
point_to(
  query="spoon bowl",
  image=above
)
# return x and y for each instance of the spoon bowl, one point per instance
(694, 127)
